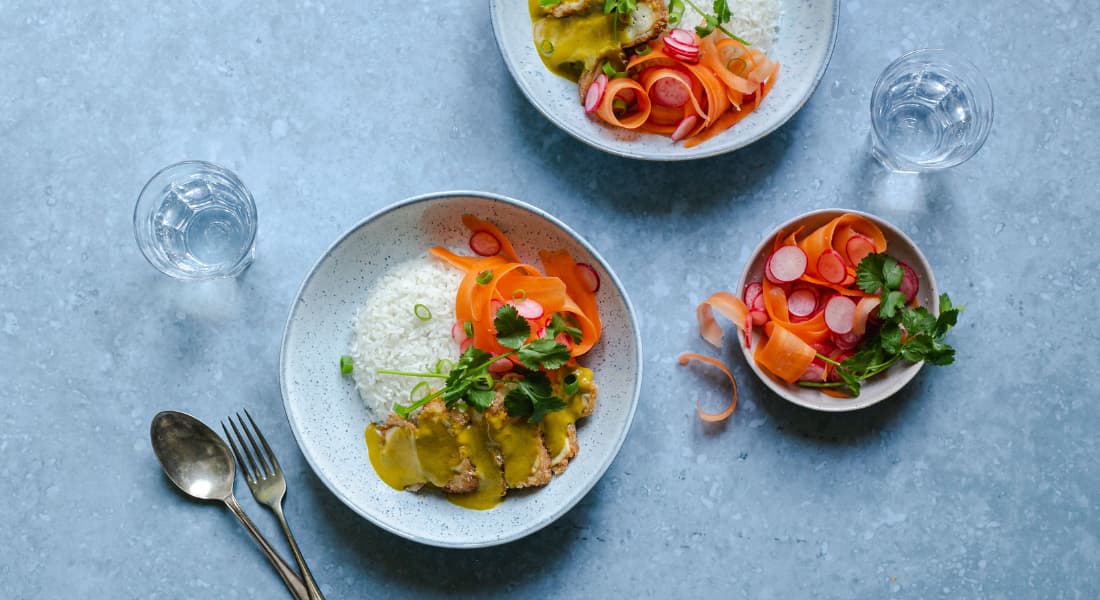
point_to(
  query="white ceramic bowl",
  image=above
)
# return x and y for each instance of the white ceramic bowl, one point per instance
(873, 390)
(328, 418)
(804, 44)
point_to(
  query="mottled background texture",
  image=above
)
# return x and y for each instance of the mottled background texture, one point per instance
(978, 480)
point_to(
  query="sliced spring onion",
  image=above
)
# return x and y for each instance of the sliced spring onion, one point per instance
(443, 366)
(618, 105)
(611, 72)
(419, 391)
(468, 328)
(484, 382)
(519, 295)
(570, 385)
(484, 277)
(737, 66)
(546, 47)
(675, 11)
(642, 50)
(346, 366)
(422, 312)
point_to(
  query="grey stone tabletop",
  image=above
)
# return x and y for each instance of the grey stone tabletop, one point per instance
(978, 480)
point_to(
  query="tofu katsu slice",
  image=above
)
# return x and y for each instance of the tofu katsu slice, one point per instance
(430, 447)
(559, 428)
(647, 22)
(526, 462)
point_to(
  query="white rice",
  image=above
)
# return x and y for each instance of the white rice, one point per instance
(387, 335)
(755, 21)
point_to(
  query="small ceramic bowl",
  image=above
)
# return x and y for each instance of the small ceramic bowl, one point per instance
(328, 417)
(803, 46)
(873, 390)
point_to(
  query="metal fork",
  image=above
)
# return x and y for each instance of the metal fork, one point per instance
(265, 479)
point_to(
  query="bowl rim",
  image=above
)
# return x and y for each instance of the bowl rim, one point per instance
(586, 487)
(779, 387)
(834, 23)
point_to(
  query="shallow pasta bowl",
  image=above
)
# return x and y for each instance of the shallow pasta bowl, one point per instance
(875, 389)
(328, 418)
(804, 45)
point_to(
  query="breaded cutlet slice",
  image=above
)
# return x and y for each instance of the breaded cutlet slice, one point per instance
(645, 23)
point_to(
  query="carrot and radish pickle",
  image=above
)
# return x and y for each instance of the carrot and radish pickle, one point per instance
(835, 309)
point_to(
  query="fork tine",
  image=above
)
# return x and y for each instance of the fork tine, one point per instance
(236, 452)
(270, 455)
(255, 448)
(256, 473)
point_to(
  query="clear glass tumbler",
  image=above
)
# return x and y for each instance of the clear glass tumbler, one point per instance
(929, 110)
(196, 220)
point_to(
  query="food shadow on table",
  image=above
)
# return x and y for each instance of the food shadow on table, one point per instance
(648, 186)
(392, 561)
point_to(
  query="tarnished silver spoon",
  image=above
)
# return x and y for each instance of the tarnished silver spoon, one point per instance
(199, 463)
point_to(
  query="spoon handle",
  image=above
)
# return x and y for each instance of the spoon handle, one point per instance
(289, 577)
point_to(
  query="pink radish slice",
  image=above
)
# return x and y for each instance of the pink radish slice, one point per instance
(595, 93)
(495, 304)
(688, 56)
(909, 282)
(753, 290)
(484, 243)
(857, 248)
(670, 92)
(500, 365)
(528, 308)
(830, 265)
(759, 317)
(465, 345)
(565, 340)
(458, 332)
(768, 271)
(589, 276)
(802, 303)
(866, 306)
(758, 304)
(839, 311)
(814, 372)
(684, 128)
(847, 341)
(682, 35)
(788, 263)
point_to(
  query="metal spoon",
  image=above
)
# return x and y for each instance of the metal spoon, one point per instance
(199, 463)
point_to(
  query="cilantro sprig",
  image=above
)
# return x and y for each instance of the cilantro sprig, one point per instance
(721, 16)
(906, 333)
(469, 379)
(623, 8)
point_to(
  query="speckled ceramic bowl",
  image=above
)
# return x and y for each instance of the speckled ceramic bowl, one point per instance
(328, 418)
(807, 33)
(873, 390)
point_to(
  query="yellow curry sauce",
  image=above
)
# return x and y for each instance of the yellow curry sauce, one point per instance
(504, 450)
(571, 45)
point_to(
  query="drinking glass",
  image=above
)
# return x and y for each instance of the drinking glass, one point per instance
(930, 110)
(196, 220)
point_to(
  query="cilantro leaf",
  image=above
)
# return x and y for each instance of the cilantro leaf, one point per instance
(890, 338)
(722, 11)
(916, 347)
(918, 320)
(547, 353)
(940, 354)
(559, 325)
(869, 273)
(890, 303)
(949, 315)
(532, 397)
(512, 329)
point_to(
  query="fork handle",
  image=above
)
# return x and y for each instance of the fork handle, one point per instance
(289, 577)
(311, 585)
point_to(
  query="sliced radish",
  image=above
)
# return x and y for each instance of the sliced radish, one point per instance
(681, 44)
(670, 91)
(838, 314)
(495, 304)
(866, 306)
(753, 290)
(465, 345)
(909, 282)
(528, 308)
(683, 36)
(595, 93)
(565, 340)
(857, 248)
(847, 341)
(814, 372)
(500, 365)
(758, 304)
(484, 243)
(802, 302)
(684, 128)
(830, 265)
(458, 332)
(787, 264)
(589, 276)
(768, 271)
(759, 317)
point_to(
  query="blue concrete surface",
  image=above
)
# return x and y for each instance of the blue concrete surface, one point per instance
(978, 480)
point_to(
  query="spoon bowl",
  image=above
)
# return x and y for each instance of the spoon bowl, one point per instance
(193, 456)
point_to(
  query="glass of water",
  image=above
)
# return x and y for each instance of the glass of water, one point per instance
(196, 220)
(929, 110)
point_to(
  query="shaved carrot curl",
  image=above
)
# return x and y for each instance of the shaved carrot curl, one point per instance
(687, 357)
